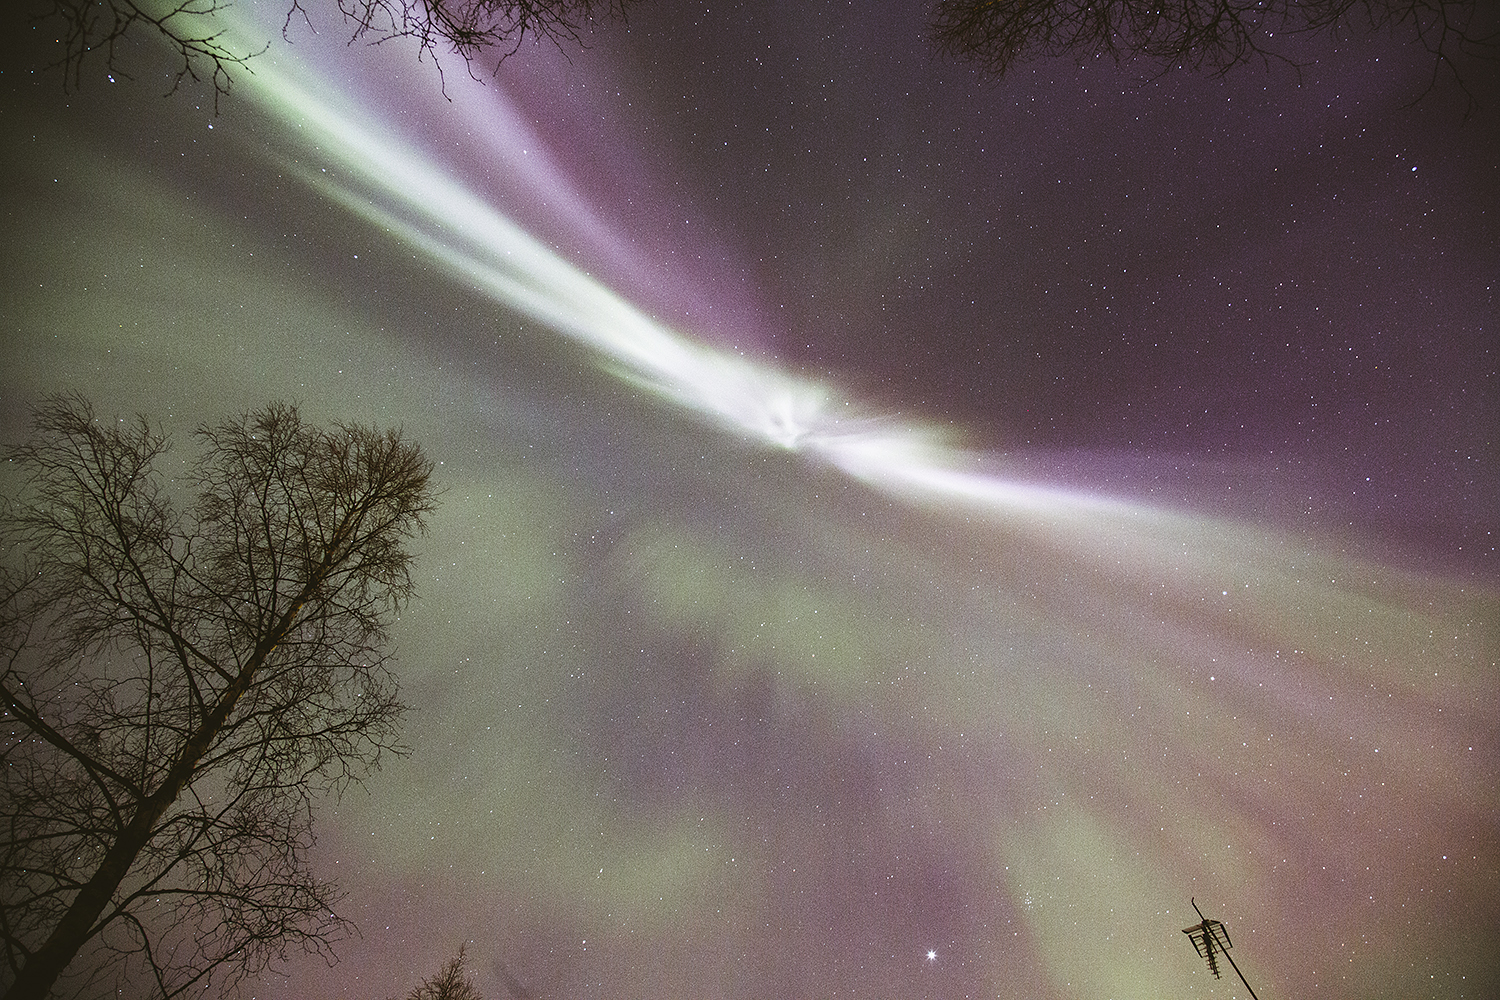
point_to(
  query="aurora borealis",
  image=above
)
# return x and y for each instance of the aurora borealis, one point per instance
(904, 535)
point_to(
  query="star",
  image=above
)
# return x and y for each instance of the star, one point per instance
(932, 954)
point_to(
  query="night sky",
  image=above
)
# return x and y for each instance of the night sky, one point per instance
(905, 534)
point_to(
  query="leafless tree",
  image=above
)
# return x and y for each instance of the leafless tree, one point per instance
(1216, 35)
(451, 984)
(478, 32)
(177, 687)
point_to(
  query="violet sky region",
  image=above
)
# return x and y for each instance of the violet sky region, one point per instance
(905, 534)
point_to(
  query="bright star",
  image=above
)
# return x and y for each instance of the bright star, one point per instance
(932, 954)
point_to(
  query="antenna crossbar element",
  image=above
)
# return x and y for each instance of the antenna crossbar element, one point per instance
(1210, 940)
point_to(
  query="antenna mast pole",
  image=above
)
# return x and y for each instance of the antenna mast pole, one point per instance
(1224, 951)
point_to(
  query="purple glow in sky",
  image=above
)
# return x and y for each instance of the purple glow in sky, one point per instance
(905, 534)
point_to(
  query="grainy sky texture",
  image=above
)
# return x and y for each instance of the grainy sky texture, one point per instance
(905, 535)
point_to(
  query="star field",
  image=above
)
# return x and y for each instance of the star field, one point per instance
(904, 535)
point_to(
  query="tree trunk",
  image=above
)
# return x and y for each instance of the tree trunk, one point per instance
(46, 964)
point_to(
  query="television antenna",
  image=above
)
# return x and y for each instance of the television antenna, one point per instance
(1210, 940)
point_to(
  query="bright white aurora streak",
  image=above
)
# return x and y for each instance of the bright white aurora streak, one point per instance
(1158, 684)
(388, 180)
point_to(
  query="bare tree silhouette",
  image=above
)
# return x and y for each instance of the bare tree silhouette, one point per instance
(178, 686)
(1216, 35)
(476, 31)
(450, 984)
